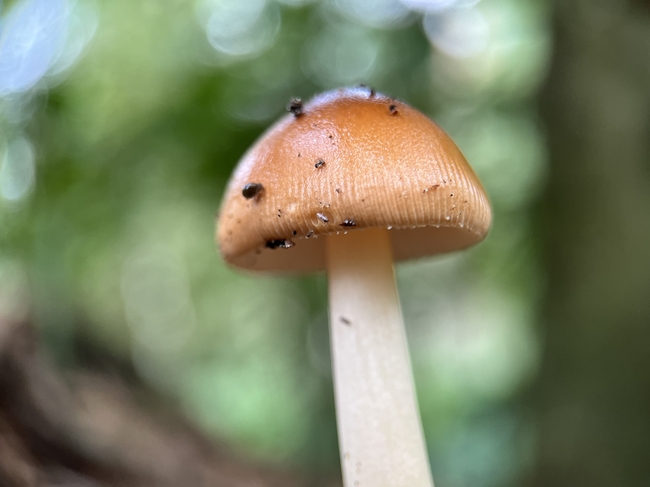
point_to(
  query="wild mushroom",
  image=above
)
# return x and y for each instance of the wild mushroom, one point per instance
(393, 186)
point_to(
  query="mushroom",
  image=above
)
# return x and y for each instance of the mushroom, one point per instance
(393, 186)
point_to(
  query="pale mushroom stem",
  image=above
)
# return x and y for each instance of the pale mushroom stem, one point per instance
(380, 432)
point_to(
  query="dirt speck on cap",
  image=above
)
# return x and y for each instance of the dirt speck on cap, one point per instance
(295, 107)
(280, 243)
(252, 190)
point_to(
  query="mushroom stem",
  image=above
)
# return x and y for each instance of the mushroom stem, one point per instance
(380, 434)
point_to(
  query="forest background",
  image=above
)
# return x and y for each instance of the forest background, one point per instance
(131, 355)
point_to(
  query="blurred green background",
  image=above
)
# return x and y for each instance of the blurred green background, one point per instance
(121, 120)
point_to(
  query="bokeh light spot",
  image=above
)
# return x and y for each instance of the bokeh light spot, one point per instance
(239, 28)
(374, 13)
(32, 34)
(458, 33)
(340, 54)
(17, 172)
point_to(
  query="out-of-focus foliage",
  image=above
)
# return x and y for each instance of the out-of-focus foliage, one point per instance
(120, 123)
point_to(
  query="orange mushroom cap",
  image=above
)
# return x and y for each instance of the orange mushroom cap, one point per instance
(349, 159)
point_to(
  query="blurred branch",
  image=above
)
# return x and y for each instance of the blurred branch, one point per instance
(592, 396)
(90, 430)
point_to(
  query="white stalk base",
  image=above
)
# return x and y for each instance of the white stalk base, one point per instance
(380, 433)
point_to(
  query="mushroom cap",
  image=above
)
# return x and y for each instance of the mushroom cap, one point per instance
(353, 159)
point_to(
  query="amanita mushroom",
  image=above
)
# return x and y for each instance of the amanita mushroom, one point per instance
(378, 182)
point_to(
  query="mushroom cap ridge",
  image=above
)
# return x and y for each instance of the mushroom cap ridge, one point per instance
(353, 159)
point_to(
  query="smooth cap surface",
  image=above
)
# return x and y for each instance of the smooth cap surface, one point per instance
(352, 159)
